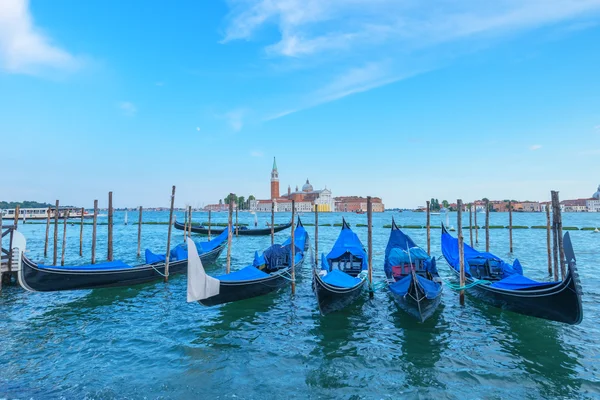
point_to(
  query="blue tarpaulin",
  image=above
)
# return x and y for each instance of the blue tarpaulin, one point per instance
(179, 252)
(431, 289)
(516, 282)
(348, 242)
(300, 237)
(450, 251)
(244, 274)
(341, 279)
(396, 253)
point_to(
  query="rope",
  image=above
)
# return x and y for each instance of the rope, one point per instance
(476, 282)
(160, 273)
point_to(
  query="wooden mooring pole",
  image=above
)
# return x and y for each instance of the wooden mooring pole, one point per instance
(64, 241)
(293, 261)
(47, 232)
(272, 222)
(428, 227)
(229, 234)
(94, 231)
(370, 241)
(555, 235)
(461, 251)
(110, 228)
(17, 212)
(510, 242)
(548, 240)
(476, 227)
(236, 221)
(185, 225)
(190, 223)
(487, 226)
(81, 233)
(471, 224)
(316, 234)
(169, 234)
(55, 255)
(561, 249)
(139, 248)
(209, 224)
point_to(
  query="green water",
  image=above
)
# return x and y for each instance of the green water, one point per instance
(147, 342)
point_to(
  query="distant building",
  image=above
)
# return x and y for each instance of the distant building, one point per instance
(529, 206)
(596, 196)
(356, 203)
(593, 205)
(217, 207)
(578, 205)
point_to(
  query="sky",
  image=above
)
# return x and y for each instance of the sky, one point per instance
(401, 99)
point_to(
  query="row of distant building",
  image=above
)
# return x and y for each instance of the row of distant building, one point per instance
(591, 204)
(305, 200)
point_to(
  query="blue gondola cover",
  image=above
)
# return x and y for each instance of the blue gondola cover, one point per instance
(244, 274)
(348, 242)
(340, 279)
(431, 289)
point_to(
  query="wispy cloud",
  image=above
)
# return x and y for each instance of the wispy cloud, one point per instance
(597, 127)
(159, 84)
(235, 119)
(24, 48)
(256, 153)
(535, 147)
(128, 108)
(342, 34)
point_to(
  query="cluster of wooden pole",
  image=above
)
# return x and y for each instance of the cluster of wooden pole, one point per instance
(461, 250)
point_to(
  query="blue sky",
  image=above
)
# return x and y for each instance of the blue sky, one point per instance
(390, 98)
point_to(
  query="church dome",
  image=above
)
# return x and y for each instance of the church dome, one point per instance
(597, 194)
(307, 187)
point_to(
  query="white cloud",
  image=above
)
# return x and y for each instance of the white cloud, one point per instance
(128, 108)
(23, 47)
(371, 43)
(235, 119)
(535, 147)
(256, 153)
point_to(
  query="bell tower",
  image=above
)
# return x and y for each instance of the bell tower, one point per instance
(274, 181)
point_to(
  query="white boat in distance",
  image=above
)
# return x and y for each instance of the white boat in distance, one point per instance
(42, 213)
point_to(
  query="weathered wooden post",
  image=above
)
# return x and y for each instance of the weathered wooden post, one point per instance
(229, 234)
(110, 228)
(461, 252)
(561, 250)
(293, 261)
(554, 238)
(487, 226)
(370, 241)
(209, 224)
(47, 233)
(476, 227)
(94, 230)
(64, 241)
(510, 242)
(169, 234)
(428, 226)
(16, 223)
(316, 234)
(471, 224)
(185, 225)
(548, 245)
(272, 222)
(190, 223)
(55, 258)
(81, 234)
(139, 248)
(236, 221)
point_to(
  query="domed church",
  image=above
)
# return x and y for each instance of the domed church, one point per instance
(594, 196)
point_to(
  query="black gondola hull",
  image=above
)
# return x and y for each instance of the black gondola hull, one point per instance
(36, 279)
(230, 291)
(559, 302)
(241, 232)
(420, 310)
(333, 298)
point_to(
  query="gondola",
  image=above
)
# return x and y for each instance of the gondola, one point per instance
(46, 278)
(503, 285)
(343, 273)
(242, 231)
(413, 279)
(269, 271)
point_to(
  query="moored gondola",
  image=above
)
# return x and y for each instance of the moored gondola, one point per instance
(341, 278)
(413, 279)
(503, 285)
(45, 278)
(242, 231)
(268, 272)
